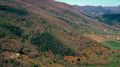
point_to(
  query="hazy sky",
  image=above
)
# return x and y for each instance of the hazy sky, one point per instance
(92, 2)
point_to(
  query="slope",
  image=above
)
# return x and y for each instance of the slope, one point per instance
(39, 38)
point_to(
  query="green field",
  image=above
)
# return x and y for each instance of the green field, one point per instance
(114, 45)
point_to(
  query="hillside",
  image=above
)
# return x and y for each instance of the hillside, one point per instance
(46, 33)
(108, 15)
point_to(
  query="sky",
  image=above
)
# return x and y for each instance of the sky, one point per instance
(92, 2)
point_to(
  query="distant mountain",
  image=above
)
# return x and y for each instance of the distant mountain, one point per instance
(109, 15)
(114, 9)
(99, 9)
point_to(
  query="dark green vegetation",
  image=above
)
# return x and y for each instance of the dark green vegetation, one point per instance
(2, 34)
(13, 29)
(111, 18)
(13, 10)
(114, 60)
(45, 42)
(114, 45)
(12, 63)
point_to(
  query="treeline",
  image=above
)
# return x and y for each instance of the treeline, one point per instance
(13, 10)
(111, 18)
(11, 28)
(46, 41)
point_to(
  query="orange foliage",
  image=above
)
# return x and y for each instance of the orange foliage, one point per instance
(70, 58)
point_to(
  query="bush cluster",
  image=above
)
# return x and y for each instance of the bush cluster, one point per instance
(13, 29)
(2, 34)
(46, 41)
(17, 11)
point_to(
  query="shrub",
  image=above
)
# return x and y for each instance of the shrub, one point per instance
(11, 63)
(14, 10)
(13, 29)
(10, 45)
(45, 41)
(71, 13)
(35, 65)
(110, 18)
(2, 34)
(69, 22)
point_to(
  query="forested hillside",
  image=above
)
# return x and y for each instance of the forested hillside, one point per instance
(46, 33)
